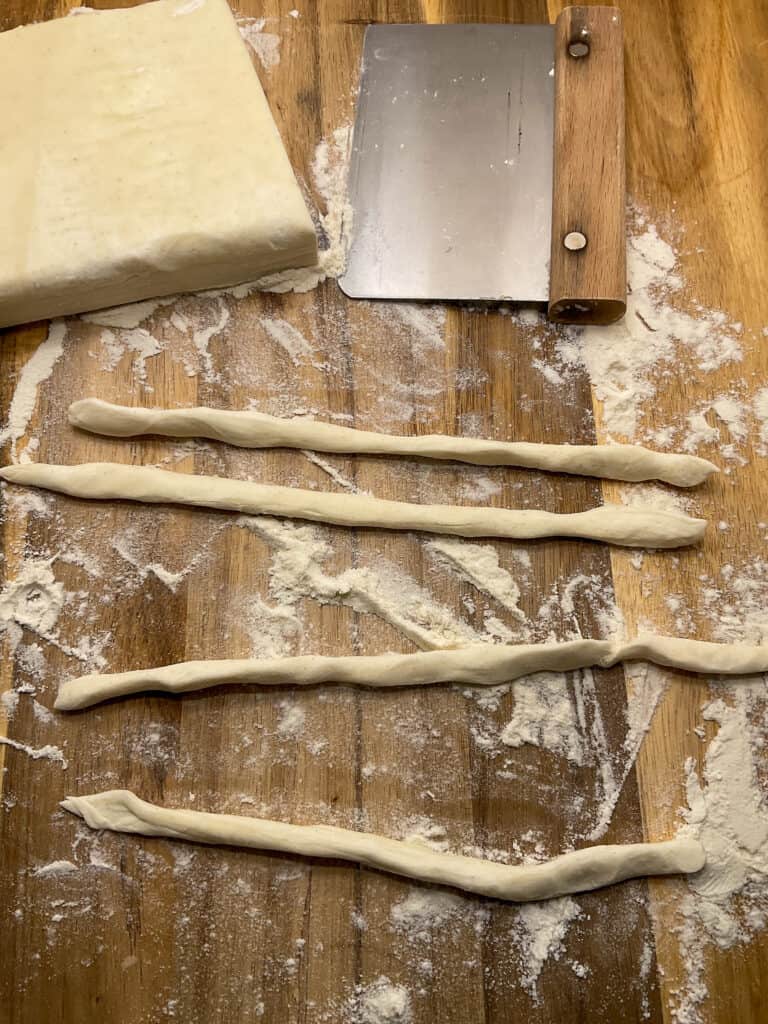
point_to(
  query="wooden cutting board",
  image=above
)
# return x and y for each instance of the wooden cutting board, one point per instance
(145, 931)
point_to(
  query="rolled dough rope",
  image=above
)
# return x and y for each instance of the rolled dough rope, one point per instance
(258, 430)
(615, 524)
(122, 811)
(478, 665)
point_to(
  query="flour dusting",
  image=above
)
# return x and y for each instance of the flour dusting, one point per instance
(329, 176)
(727, 812)
(266, 45)
(289, 338)
(337, 477)
(34, 373)
(125, 545)
(425, 910)
(626, 361)
(381, 1002)
(760, 406)
(47, 753)
(543, 928)
(55, 868)
(203, 336)
(479, 565)
(423, 323)
(296, 572)
(32, 600)
(137, 342)
(129, 316)
(291, 722)
(273, 629)
(545, 716)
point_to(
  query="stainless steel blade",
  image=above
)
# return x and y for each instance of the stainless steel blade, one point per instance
(451, 167)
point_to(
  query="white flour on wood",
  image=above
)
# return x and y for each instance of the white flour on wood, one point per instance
(32, 600)
(47, 753)
(202, 337)
(422, 323)
(274, 630)
(122, 545)
(424, 910)
(542, 928)
(54, 868)
(545, 716)
(266, 45)
(288, 337)
(626, 361)
(34, 373)
(329, 177)
(479, 565)
(137, 342)
(727, 901)
(337, 477)
(296, 573)
(381, 1002)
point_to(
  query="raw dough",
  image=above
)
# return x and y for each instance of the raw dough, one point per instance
(141, 160)
(582, 870)
(258, 430)
(479, 665)
(612, 523)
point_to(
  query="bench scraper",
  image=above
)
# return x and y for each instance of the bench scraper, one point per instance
(488, 165)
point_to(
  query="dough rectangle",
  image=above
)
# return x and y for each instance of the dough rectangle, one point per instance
(141, 159)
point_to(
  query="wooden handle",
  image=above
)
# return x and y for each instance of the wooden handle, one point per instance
(588, 276)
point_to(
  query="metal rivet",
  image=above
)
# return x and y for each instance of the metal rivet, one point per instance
(575, 241)
(578, 49)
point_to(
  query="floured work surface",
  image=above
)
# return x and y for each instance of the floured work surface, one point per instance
(140, 158)
(154, 929)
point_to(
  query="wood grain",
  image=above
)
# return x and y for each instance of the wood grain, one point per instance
(589, 285)
(695, 157)
(153, 931)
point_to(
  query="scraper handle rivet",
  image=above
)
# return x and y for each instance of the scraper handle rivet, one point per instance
(579, 49)
(575, 241)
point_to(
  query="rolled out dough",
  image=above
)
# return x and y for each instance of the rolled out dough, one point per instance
(479, 665)
(258, 430)
(615, 524)
(592, 868)
(142, 160)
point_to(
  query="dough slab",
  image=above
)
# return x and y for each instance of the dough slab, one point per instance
(615, 524)
(141, 159)
(479, 665)
(122, 811)
(258, 430)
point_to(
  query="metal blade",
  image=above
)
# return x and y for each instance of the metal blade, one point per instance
(451, 168)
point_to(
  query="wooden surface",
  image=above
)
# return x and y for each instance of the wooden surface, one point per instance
(589, 180)
(151, 931)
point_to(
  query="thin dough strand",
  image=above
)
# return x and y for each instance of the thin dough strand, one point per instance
(614, 524)
(249, 429)
(478, 665)
(582, 870)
